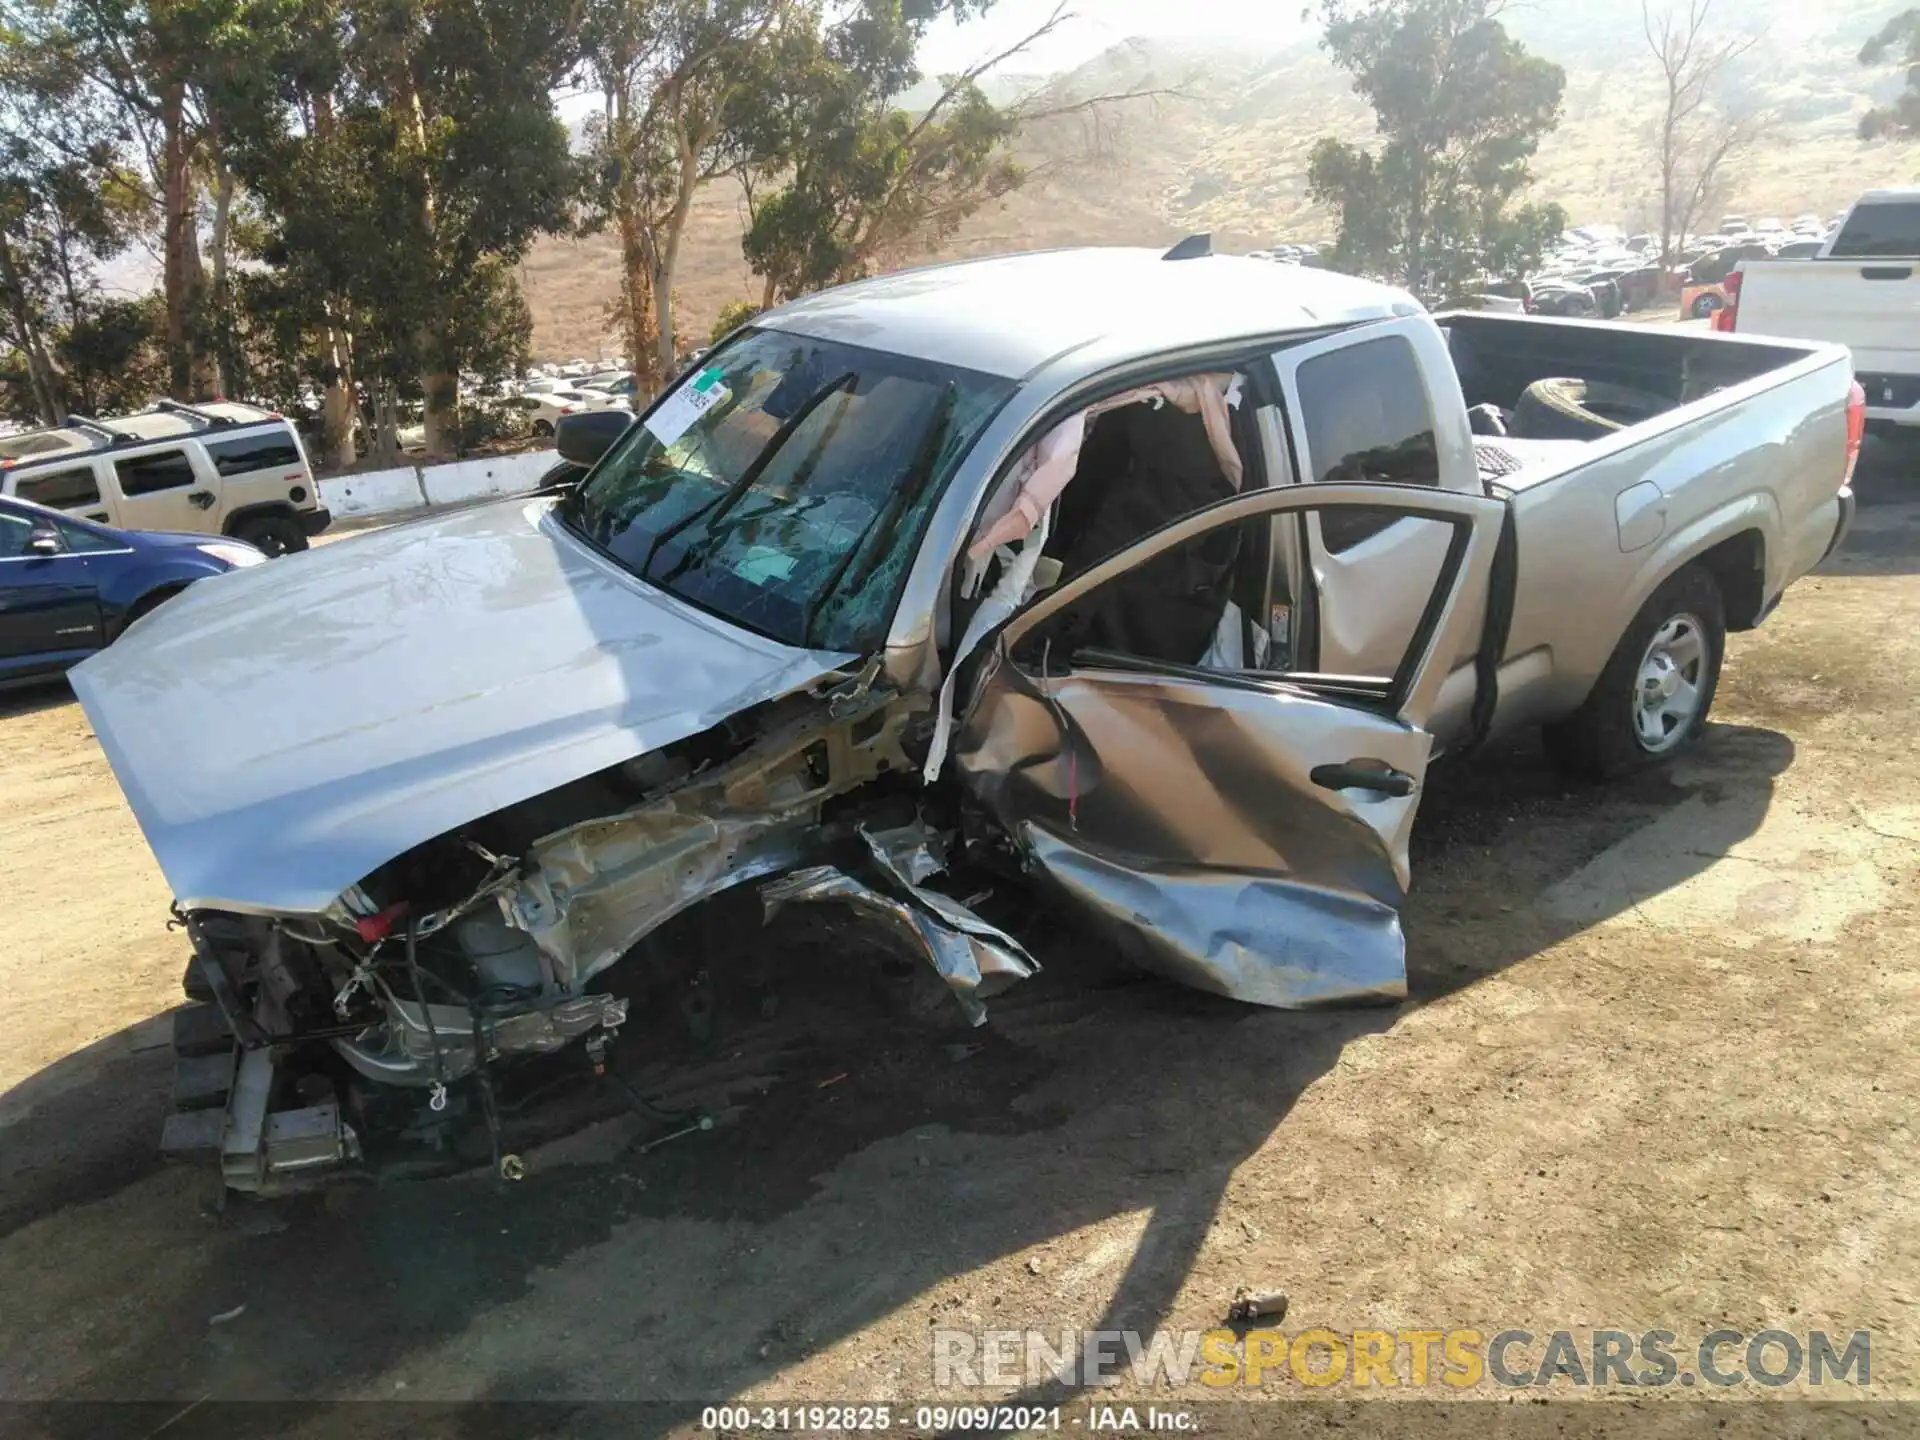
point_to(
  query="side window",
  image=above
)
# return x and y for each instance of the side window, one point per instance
(1367, 417)
(82, 541)
(262, 450)
(60, 489)
(15, 528)
(1215, 601)
(148, 474)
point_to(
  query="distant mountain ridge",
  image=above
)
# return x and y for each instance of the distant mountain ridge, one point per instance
(1227, 151)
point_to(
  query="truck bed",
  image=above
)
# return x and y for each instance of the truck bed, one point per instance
(1742, 474)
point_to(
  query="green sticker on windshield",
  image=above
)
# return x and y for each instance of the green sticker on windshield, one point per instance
(763, 564)
(670, 419)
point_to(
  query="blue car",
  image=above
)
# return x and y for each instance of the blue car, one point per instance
(69, 587)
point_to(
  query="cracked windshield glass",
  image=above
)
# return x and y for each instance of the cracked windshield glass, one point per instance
(783, 485)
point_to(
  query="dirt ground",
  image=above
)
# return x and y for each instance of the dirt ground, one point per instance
(1658, 1072)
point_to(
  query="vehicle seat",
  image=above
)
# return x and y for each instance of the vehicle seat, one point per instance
(1141, 468)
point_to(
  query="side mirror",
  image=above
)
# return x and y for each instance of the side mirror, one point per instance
(44, 541)
(585, 437)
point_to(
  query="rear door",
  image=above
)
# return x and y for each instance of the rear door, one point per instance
(49, 608)
(1229, 819)
(74, 488)
(164, 489)
(257, 467)
(1359, 408)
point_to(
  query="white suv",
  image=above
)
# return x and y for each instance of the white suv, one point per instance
(216, 469)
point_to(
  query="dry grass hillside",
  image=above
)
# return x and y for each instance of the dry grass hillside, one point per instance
(1228, 152)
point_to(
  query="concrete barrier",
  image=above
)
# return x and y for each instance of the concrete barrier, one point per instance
(377, 492)
(412, 487)
(478, 479)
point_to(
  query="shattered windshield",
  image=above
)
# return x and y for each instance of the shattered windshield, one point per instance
(784, 483)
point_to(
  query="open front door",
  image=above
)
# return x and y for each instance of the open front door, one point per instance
(1234, 821)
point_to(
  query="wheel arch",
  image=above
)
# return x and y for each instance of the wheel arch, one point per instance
(237, 518)
(147, 600)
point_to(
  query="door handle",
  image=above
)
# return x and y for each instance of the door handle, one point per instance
(1357, 776)
(201, 498)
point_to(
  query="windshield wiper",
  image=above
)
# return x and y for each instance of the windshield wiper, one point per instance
(730, 497)
(887, 521)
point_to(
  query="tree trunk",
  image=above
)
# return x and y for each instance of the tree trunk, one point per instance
(636, 267)
(337, 409)
(181, 276)
(222, 302)
(442, 415)
(386, 425)
(668, 261)
(26, 334)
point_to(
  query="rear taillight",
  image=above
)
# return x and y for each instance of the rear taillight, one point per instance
(1727, 318)
(1856, 429)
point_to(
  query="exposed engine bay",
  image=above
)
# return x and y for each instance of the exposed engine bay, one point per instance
(400, 1013)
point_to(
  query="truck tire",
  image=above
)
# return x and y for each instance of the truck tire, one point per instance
(1569, 409)
(1653, 697)
(1704, 307)
(272, 534)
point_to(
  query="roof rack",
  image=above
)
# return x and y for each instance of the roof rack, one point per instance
(105, 437)
(194, 412)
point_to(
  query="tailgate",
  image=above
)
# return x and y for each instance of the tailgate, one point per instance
(1871, 306)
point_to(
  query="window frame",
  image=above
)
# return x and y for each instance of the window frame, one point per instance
(88, 466)
(1409, 694)
(1309, 466)
(262, 437)
(185, 454)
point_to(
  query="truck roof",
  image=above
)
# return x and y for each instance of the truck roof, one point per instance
(1010, 314)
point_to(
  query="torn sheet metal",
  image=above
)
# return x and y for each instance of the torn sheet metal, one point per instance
(1183, 814)
(1258, 940)
(977, 960)
(594, 889)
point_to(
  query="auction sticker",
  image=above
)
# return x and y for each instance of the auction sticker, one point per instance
(672, 416)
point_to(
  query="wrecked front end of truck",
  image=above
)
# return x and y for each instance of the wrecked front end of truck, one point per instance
(418, 796)
(433, 993)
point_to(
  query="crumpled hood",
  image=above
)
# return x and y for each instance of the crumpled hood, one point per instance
(283, 730)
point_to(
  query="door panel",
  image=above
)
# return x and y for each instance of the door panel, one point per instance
(74, 489)
(162, 490)
(1240, 830)
(49, 611)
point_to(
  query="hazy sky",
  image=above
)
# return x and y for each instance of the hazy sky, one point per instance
(1260, 24)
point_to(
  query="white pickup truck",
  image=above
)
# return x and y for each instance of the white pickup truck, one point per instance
(1861, 291)
(1144, 587)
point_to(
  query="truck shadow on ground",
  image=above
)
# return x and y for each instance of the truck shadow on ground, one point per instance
(881, 1163)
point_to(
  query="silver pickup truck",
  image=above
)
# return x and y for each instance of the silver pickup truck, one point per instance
(1147, 587)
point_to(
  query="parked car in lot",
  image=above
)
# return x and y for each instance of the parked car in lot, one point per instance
(69, 587)
(1703, 289)
(1862, 291)
(220, 468)
(544, 411)
(1564, 298)
(1143, 587)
